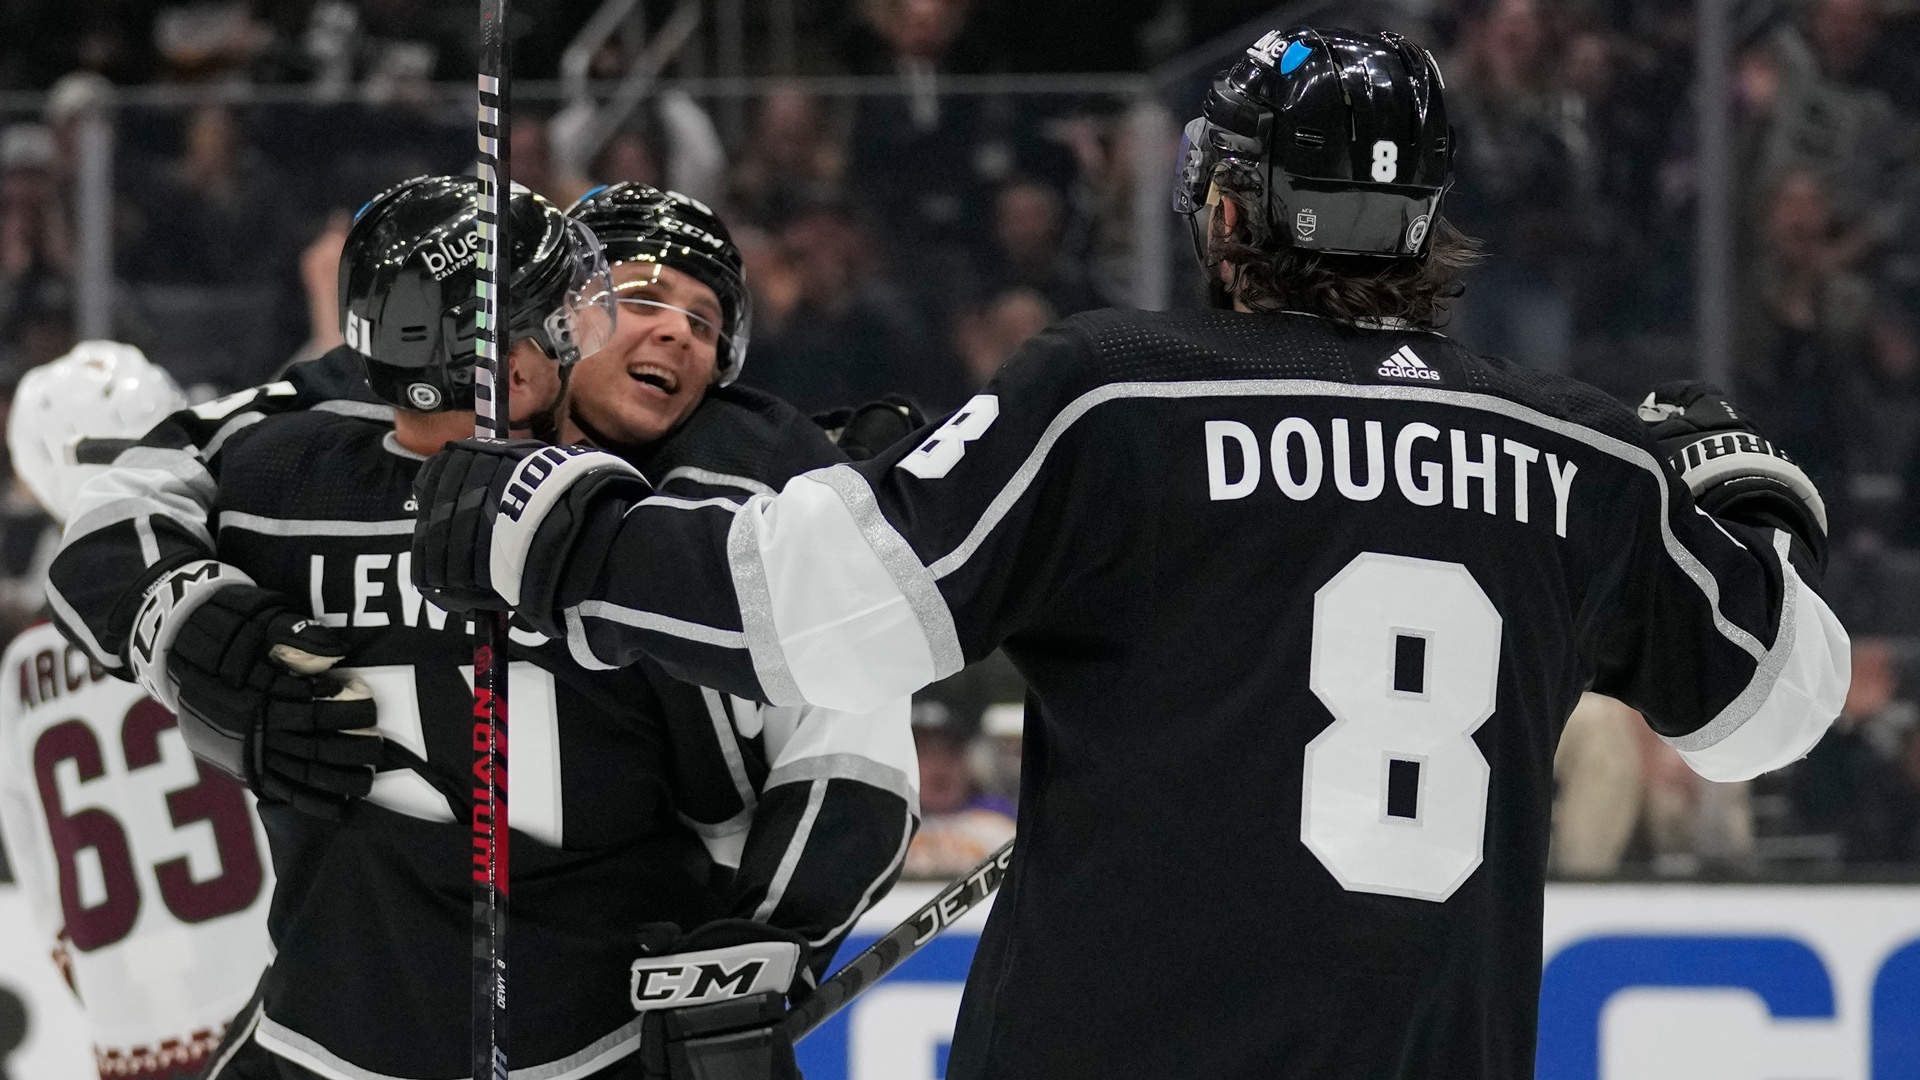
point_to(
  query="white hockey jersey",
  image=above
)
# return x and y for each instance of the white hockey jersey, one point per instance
(146, 870)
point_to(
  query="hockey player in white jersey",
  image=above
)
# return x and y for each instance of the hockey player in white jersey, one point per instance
(1303, 589)
(145, 870)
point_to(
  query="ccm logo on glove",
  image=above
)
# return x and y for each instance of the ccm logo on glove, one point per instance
(699, 978)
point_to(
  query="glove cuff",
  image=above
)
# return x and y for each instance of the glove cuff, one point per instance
(535, 487)
(711, 975)
(1730, 455)
(164, 609)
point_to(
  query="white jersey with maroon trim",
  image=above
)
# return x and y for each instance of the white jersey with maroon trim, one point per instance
(145, 870)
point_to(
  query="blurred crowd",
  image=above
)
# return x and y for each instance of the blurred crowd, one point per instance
(909, 238)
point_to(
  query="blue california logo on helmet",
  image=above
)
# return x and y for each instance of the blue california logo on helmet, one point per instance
(1295, 55)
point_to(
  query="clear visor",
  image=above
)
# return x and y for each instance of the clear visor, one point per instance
(1193, 171)
(583, 323)
(729, 349)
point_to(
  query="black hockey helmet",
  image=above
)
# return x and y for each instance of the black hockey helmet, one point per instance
(1341, 136)
(408, 288)
(638, 223)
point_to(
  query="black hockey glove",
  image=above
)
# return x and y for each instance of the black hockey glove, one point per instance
(715, 1000)
(1732, 470)
(255, 699)
(497, 519)
(863, 432)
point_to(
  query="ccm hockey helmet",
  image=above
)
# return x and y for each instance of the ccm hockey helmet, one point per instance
(638, 223)
(102, 391)
(408, 282)
(1341, 136)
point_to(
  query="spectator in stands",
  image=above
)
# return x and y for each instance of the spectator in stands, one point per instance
(36, 251)
(214, 216)
(1848, 39)
(532, 160)
(1599, 775)
(918, 157)
(1692, 824)
(959, 824)
(987, 337)
(1802, 338)
(1860, 781)
(851, 338)
(1519, 189)
(791, 160)
(1026, 254)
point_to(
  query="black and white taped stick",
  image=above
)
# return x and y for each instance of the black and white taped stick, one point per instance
(860, 973)
(491, 415)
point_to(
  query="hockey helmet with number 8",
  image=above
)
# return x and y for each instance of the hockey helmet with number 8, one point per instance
(1340, 136)
(409, 279)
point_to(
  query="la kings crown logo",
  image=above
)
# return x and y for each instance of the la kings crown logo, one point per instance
(1403, 364)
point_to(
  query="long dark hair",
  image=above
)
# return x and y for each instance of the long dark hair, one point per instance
(1346, 288)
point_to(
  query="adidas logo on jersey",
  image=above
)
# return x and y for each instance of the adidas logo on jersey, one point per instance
(1403, 364)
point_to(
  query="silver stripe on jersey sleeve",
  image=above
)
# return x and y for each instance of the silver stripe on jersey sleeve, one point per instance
(360, 410)
(149, 543)
(1023, 477)
(227, 431)
(854, 767)
(664, 624)
(1742, 708)
(866, 897)
(303, 1051)
(266, 526)
(577, 644)
(105, 515)
(145, 480)
(756, 612)
(72, 621)
(790, 859)
(714, 479)
(905, 567)
(725, 842)
(671, 502)
(730, 748)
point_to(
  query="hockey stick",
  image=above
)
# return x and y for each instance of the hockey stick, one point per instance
(881, 957)
(491, 416)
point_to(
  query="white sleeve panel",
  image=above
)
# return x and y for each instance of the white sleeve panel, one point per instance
(830, 622)
(143, 481)
(1796, 700)
(874, 747)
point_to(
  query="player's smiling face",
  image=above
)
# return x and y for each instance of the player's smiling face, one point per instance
(658, 366)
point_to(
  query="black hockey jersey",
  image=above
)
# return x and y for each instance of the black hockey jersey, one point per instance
(1303, 608)
(636, 798)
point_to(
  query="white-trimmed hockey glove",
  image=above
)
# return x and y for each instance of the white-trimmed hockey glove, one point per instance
(1734, 472)
(516, 501)
(715, 1000)
(246, 673)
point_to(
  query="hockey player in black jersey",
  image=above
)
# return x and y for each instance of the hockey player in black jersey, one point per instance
(1303, 589)
(674, 845)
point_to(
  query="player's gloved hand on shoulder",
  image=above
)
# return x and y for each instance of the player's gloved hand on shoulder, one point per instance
(256, 699)
(863, 432)
(715, 1000)
(497, 517)
(1734, 472)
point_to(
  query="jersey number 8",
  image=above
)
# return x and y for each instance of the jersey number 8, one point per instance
(1406, 656)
